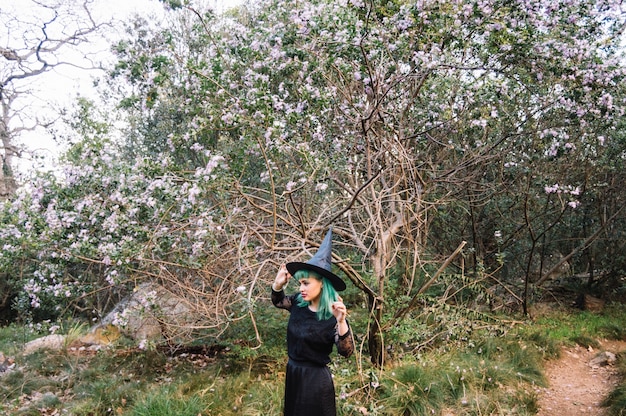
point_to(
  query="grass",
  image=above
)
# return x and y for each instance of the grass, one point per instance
(164, 401)
(583, 328)
(616, 401)
(477, 381)
(13, 337)
(484, 375)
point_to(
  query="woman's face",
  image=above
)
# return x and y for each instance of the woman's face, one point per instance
(310, 289)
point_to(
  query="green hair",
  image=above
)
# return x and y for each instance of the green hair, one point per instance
(328, 296)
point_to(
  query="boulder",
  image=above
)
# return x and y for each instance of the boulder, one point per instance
(152, 313)
(53, 342)
(603, 359)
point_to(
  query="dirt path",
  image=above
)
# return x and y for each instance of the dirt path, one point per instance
(576, 387)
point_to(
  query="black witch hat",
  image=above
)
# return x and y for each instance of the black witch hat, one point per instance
(321, 263)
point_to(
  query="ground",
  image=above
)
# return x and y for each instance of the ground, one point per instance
(574, 386)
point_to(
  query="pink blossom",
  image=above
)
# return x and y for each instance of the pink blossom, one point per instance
(320, 187)
(290, 185)
(551, 189)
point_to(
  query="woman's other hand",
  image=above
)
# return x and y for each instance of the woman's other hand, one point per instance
(340, 311)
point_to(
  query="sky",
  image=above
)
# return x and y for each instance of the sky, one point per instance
(59, 88)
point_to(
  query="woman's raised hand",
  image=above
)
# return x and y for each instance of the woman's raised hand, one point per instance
(282, 278)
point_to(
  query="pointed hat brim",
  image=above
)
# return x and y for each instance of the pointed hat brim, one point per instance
(335, 280)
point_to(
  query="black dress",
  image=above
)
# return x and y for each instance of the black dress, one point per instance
(309, 388)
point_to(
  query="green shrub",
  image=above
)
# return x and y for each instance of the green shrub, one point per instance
(163, 402)
(545, 344)
(416, 389)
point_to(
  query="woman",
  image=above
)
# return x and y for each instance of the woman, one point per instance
(317, 321)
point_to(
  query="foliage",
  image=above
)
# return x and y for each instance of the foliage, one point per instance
(410, 127)
(93, 229)
(444, 118)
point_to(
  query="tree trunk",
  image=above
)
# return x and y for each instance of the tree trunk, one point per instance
(375, 337)
(8, 186)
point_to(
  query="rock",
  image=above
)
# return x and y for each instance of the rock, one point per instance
(53, 342)
(603, 359)
(6, 363)
(101, 335)
(152, 313)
